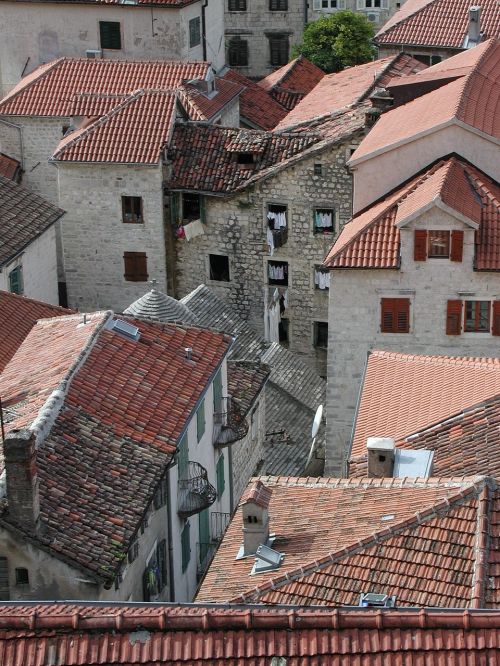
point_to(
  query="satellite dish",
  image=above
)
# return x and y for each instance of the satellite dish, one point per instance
(317, 421)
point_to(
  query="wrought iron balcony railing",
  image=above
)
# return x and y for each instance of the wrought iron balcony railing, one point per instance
(194, 491)
(229, 424)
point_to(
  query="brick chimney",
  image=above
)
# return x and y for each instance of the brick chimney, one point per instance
(22, 479)
(380, 457)
(255, 509)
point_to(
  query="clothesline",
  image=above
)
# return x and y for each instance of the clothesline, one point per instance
(322, 279)
(278, 220)
(323, 220)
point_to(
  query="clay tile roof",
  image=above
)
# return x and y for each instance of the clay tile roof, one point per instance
(372, 238)
(9, 167)
(202, 161)
(471, 99)
(292, 82)
(135, 3)
(54, 89)
(110, 441)
(403, 393)
(257, 107)
(155, 634)
(201, 106)
(442, 23)
(18, 315)
(257, 493)
(349, 87)
(245, 380)
(157, 305)
(25, 216)
(332, 530)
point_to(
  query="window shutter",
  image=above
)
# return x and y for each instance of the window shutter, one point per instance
(161, 560)
(495, 328)
(395, 315)
(457, 245)
(136, 266)
(454, 318)
(4, 579)
(420, 245)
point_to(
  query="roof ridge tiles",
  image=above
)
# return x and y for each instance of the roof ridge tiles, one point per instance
(481, 549)
(20, 87)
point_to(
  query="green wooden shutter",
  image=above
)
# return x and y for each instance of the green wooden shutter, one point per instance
(110, 35)
(221, 481)
(218, 393)
(182, 457)
(186, 546)
(204, 534)
(161, 561)
(4, 579)
(200, 421)
(16, 281)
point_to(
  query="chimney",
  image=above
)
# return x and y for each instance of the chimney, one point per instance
(474, 33)
(22, 479)
(189, 353)
(380, 457)
(255, 509)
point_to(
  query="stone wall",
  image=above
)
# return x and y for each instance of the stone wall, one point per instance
(376, 16)
(236, 227)
(355, 321)
(249, 452)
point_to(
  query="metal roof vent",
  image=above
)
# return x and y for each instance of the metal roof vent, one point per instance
(373, 600)
(125, 329)
(413, 463)
(267, 559)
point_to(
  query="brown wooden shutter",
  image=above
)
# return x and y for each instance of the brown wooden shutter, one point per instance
(136, 266)
(395, 315)
(454, 318)
(495, 325)
(420, 245)
(457, 245)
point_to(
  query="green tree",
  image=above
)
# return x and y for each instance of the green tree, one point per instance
(337, 41)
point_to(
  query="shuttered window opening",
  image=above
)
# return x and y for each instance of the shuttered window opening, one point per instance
(420, 245)
(186, 546)
(110, 34)
(395, 315)
(194, 32)
(278, 46)
(182, 457)
(278, 5)
(200, 421)
(132, 210)
(437, 244)
(453, 317)
(218, 393)
(237, 52)
(477, 316)
(16, 281)
(136, 266)
(495, 327)
(457, 245)
(237, 5)
(4, 579)
(221, 481)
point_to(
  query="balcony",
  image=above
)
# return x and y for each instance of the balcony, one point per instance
(206, 551)
(229, 424)
(194, 491)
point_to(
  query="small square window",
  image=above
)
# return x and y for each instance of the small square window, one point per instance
(132, 210)
(477, 316)
(318, 169)
(395, 315)
(278, 48)
(136, 266)
(324, 220)
(191, 207)
(237, 5)
(194, 32)
(278, 5)
(22, 577)
(276, 216)
(439, 244)
(110, 34)
(237, 52)
(277, 272)
(321, 278)
(219, 267)
(321, 334)
(16, 285)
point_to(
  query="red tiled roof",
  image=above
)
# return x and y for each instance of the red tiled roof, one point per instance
(245, 381)
(257, 106)
(204, 157)
(313, 519)
(372, 238)
(18, 315)
(24, 217)
(9, 167)
(442, 23)
(292, 82)
(140, 3)
(471, 99)
(135, 131)
(125, 404)
(350, 87)
(257, 493)
(403, 393)
(154, 634)
(55, 88)
(201, 106)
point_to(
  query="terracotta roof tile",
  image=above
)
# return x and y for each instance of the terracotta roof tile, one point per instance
(349, 87)
(372, 238)
(9, 167)
(25, 216)
(18, 315)
(245, 382)
(441, 23)
(292, 82)
(257, 107)
(201, 106)
(55, 88)
(257, 493)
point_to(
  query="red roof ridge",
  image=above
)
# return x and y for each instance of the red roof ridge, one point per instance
(464, 99)
(393, 21)
(257, 493)
(475, 487)
(481, 549)
(365, 482)
(470, 361)
(276, 80)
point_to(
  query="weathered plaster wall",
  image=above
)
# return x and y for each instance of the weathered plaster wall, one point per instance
(249, 452)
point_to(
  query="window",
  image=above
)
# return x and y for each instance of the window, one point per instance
(4, 579)
(22, 577)
(372, 4)
(318, 169)
(133, 551)
(194, 32)
(136, 266)
(284, 331)
(191, 207)
(110, 35)
(276, 216)
(395, 315)
(278, 5)
(219, 267)
(277, 272)
(237, 5)
(324, 220)
(132, 210)
(321, 278)
(160, 496)
(477, 316)
(237, 52)
(437, 244)
(200, 421)
(155, 575)
(321, 334)
(218, 393)
(221, 481)
(278, 50)
(185, 546)
(182, 457)
(16, 281)
(427, 59)
(328, 5)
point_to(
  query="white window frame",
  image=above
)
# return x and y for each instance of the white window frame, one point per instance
(318, 5)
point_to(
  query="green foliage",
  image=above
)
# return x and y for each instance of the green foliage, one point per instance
(337, 41)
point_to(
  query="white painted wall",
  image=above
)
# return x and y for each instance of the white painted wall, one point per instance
(354, 321)
(38, 262)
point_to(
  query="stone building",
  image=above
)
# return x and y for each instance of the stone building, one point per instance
(115, 486)
(34, 32)
(416, 269)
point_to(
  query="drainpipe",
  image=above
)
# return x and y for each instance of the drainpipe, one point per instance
(170, 542)
(203, 29)
(306, 5)
(20, 130)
